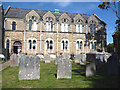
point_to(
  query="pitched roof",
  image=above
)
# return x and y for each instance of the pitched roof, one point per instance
(21, 13)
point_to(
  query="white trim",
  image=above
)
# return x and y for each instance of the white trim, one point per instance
(79, 44)
(32, 43)
(49, 44)
(64, 46)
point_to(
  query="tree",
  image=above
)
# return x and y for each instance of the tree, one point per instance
(113, 6)
(110, 48)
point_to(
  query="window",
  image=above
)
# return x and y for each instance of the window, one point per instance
(94, 45)
(32, 44)
(64, 45)
(49, 44)
(13, 25)
(79, 28)
(49, 24)
(64, 26)
(79, 45)
(30, 25)
(91, 46)
(7, 43)
(92, 27)
(34, 25)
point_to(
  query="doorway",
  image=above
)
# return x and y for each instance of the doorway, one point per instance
(17, 47)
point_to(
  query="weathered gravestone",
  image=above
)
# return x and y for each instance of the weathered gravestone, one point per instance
(58, 58)
(14, 60)
(90, 69)
(47, 58)
(113, 65)
(29, 67)
(64, 66)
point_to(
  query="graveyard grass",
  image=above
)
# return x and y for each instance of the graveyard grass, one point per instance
(48, 73)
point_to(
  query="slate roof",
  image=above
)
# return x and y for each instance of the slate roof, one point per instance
(21, 13)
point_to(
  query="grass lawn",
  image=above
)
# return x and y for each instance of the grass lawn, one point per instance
(48, 78)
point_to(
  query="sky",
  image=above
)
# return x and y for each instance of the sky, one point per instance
(108, 16)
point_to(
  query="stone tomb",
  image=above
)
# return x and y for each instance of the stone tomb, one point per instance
(29, 67)
(90, 69)
(64, 67)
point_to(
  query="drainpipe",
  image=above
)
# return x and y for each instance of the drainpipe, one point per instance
(57, 38)
(40, 34)
(24, 40)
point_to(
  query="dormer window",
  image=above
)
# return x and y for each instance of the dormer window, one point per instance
(32, 24)
(79, 26)
(49, 24)
(13, 25)
(64, 25)
(92, 27)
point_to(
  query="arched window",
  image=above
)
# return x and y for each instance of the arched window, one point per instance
(90, 28)
(30, 25)
(7, 43)
(30, 44)
(34, 25)
(79, 45)
(49, 44)
(13, 25)
(64, 45)
(91, 46)
(94, 28)
(64, 25)
(79, 26)
(34, 44)
(49, 24)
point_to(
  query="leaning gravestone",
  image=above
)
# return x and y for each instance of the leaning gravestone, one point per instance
(47, 58)
(90, 69)
(64, 66)
(29, 67)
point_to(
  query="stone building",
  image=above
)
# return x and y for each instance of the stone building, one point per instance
(37, 31)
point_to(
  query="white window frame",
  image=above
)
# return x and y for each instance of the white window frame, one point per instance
(65, 44)
(78, 47)
(49, 39)
(32, 43)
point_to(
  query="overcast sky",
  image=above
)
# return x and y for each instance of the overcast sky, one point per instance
(108, 16)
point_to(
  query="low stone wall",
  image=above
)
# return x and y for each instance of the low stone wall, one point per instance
(5, 65)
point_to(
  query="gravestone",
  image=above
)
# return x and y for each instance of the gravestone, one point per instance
(58, 58)
(47, 58)
(29, 67)
(14, 60)
(90, 69)
(64, 66)
(82, 58)
(113, 65)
